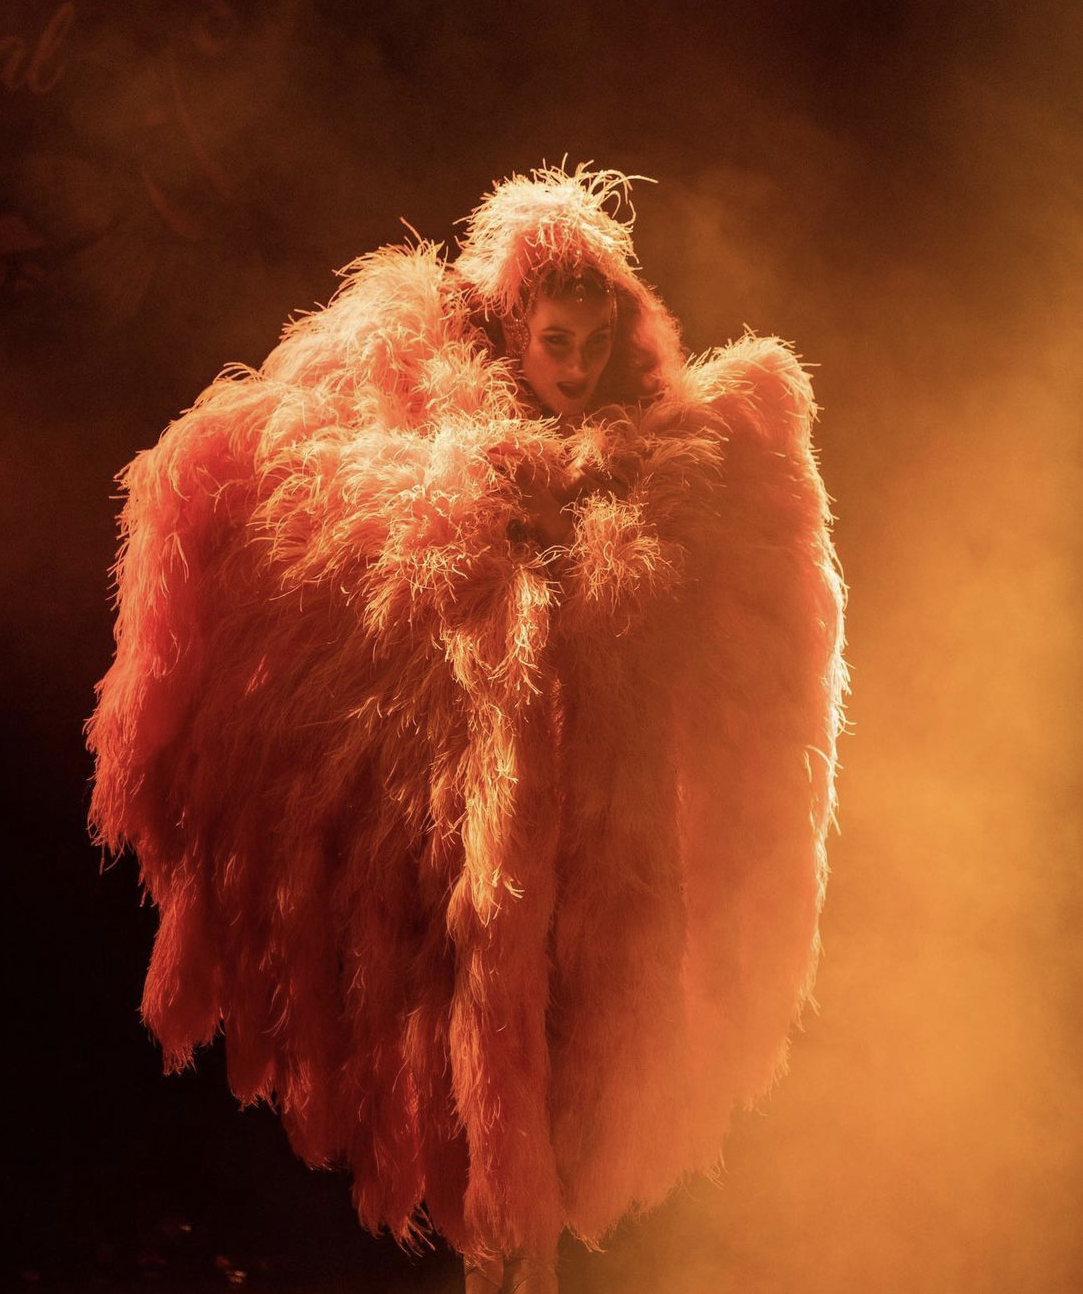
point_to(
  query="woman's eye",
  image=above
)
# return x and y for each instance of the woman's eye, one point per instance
(556, 343)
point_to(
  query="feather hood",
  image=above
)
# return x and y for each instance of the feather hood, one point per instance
(549, 219)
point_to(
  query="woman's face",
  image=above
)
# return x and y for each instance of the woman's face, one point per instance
(569, 342)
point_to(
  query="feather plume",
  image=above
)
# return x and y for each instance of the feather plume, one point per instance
(547, 219)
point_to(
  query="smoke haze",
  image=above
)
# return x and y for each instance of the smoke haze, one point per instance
(898, 192)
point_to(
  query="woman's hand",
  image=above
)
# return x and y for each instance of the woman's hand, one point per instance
(547, 500)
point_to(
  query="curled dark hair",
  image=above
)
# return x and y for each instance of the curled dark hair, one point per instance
(635, 368)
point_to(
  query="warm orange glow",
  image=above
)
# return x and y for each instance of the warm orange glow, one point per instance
(928, 1137)
(903, 200)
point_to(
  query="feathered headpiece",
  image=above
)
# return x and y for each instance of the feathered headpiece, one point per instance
(549, 221)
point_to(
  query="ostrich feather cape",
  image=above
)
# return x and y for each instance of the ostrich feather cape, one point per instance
(498, 868)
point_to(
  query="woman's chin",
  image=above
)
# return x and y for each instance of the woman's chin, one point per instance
(564, 407)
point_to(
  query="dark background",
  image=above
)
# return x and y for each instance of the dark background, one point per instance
(896, 187)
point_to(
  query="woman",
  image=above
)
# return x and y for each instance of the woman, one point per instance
(473, 717)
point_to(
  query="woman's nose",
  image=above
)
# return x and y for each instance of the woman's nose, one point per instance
(578, 363)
